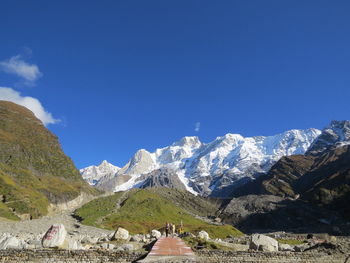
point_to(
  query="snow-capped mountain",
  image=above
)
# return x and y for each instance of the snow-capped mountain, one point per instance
(334, 135)
(93, 174)
(209, 168)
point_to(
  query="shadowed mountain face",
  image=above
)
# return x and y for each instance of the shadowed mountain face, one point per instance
(323, 180)
(162, 177)
(336, 134)
(34, 171)
(300, 193)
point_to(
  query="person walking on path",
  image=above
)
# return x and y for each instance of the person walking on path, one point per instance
(173, 229)
(167, 228)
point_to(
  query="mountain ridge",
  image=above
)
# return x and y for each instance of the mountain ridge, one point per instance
(206, 168)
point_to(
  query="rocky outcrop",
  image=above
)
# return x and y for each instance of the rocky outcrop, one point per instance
(55, 236)
(70, 205)
(162, 178)
(263, 243)
(121, 234)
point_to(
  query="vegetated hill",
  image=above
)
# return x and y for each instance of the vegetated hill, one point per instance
(34, 171)
(322, 179)
(141, 210)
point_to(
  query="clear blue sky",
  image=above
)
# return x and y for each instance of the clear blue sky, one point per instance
(125, 75)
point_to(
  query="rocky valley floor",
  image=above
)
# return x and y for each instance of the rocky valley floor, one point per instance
(97, 245)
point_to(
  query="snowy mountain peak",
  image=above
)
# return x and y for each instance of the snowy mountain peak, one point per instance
(191, 141)
(93, 174)
(141, 162)
(210, 168)
(337, 133)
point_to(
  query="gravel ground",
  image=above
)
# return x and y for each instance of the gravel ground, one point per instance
(41, 225)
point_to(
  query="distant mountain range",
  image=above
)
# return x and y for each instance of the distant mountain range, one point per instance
(216, 168)
(297, 181)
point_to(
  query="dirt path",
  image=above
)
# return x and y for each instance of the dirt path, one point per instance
(39, 226)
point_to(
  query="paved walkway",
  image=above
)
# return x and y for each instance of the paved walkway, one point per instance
(171, 246)
(168, 248)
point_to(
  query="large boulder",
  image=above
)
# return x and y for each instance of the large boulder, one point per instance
(263, 243)
(121, 234)
(156, 234)
(55, 236)
(10, 242)
(203, 235)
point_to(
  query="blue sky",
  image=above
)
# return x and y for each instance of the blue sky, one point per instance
(125, 75)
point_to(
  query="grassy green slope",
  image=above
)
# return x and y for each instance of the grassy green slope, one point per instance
(34, 171)
(143, 211)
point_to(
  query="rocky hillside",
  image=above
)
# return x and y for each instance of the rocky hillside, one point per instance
(34, 171)
(213, 168)
(320, 177)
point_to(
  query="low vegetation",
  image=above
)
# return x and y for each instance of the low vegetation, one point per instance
(144, 210)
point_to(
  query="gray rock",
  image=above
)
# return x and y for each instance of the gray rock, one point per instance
(121, 234)
(263, 243)
(203, 235)
(137, 238)
(55, 236)
(285, 247)
(156, 234)
(128, 247)
(10, 242)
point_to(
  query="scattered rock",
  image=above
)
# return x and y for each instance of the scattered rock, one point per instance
(74, 245)
(301, 248)
(121, 233)
(128, 247)
(285, 247)
(239, 247)
(263, 243)
(55, 236)
(137, 238)
(203, 235)
(156, 234)
(10, 242)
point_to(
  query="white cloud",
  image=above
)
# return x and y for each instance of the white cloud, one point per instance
(17, 66)
(29, 102)
(197, 126)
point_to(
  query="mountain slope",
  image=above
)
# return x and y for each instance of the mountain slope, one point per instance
(141, 210)
(34, 171)
(321, 176)
(211, 168)
(336, 134)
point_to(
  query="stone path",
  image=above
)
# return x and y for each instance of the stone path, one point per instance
(168, 249)
(171, 246)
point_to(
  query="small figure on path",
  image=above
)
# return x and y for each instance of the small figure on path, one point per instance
(180, 229)
(167, 228)
(173, 228)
